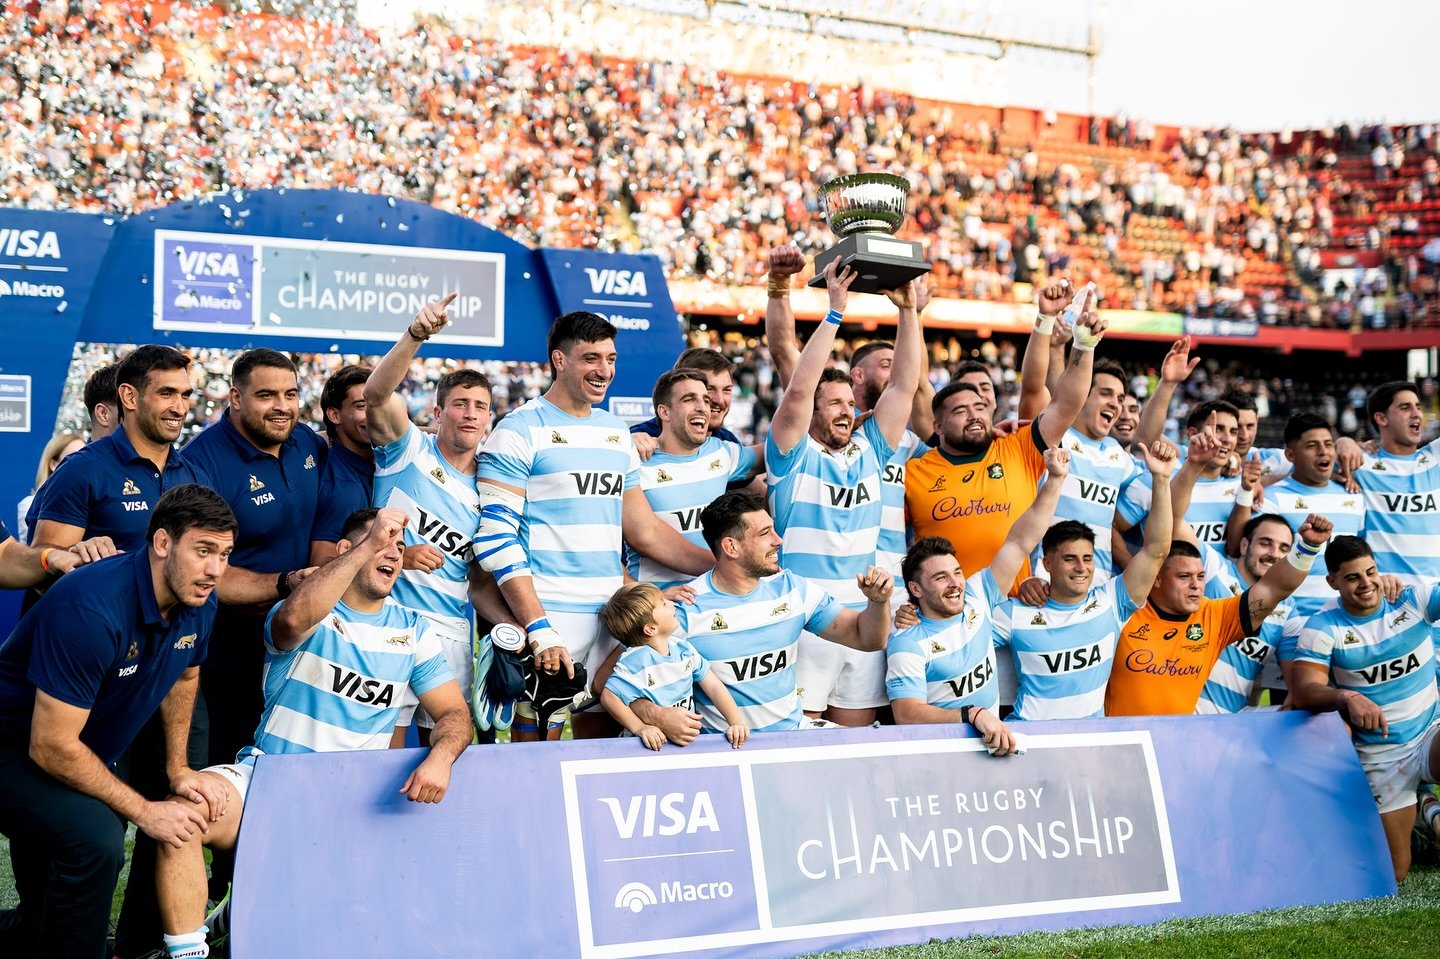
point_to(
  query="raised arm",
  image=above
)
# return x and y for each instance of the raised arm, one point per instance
(1174, 370)
(386, 417)
(1074, 384)
(895, 406)
(1244, 506)
(1035, 364)
(868, 629)
(1027, 531)
(1144, 566)
(313, 599)
(792, 418)
(1285, 576)
(780, 339)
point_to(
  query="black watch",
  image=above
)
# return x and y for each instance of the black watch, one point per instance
(282, 585)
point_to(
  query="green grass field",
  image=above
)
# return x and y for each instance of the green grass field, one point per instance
(1406, 926)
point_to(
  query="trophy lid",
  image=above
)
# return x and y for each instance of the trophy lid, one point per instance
(865, 203)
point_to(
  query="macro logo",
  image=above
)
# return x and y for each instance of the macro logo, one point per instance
(635, 896)
(52, 291)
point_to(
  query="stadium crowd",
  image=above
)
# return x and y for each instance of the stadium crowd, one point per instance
(888, 551)
(705, 169)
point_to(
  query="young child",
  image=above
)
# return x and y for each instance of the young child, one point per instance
(657, 667)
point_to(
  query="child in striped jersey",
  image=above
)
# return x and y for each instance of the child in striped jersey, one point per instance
(658, 666)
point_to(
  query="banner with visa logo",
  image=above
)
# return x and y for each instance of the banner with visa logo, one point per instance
(834, 839)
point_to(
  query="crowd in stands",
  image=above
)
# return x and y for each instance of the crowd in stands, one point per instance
(107, 110)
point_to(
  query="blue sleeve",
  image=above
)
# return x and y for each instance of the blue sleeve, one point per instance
(779, 465)
(431, 668)
(1125, 607)
(1134, 501)
(744, 463)
(73, 650)
(1432, 603)
(872, 432)
(65, 498)
(622, 685)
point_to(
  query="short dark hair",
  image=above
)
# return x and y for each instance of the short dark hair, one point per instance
(1383, 395)
(135, 368)
(874, 346)
(1065, 531)
(577, 326)
(100, 388)
(332, 397)
(831, 375)
(1181, 549)
(1110, 368)
(726, 515)
(922, 549)
(704, 359)
(1241, 400)
(191, 506)
(949, 390)
(966, 367)
(1198, 416)
(1248, 531)
(461, 379)
(1302, 423)
(251, 360)
(1342, 549)
(665, 385)
(357, 521)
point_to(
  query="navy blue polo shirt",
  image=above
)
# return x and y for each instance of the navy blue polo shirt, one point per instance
(96, 640)
(345, 486)
(274, 497)
(4, 532)
(108, 489)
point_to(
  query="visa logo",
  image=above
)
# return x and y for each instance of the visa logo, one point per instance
(613, 282)
(31, 244)
(667, 815)
(207, 263)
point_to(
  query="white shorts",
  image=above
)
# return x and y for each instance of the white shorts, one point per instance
(1394, 781)
(236, 774)
(828, 674)
(454, 637)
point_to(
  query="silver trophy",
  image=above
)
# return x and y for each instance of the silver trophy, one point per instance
(865, 210)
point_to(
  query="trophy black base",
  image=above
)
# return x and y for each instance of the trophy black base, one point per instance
(883, 262)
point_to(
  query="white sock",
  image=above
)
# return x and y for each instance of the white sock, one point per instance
(188, 945)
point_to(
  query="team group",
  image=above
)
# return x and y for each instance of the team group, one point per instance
(1072, 565)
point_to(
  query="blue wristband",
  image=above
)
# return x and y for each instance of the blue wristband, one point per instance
(834, 316)
(1304, 547)
(541, 623)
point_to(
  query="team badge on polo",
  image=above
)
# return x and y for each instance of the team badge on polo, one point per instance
(255, 484)
(186, 642)
(129, 489)
(310, 462)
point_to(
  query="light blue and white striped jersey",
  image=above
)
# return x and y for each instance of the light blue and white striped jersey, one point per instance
(1243, 663)
(342, 688)
(827, 505)
(642, 672)
(678, 488)
(1388, 657)
(1100, 471)
(1063, 651)
(1209, 511)
(1272, 461)
(751, 642)
(949, 662)
(1293, 501)
(574, 471)
(890, 549)
(1402, 512)
(444, 511)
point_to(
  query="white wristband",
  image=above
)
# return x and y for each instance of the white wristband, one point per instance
(1302, 559)
(1045, 324)
(1245, 498)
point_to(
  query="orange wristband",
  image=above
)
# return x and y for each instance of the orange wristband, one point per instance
(45, 558)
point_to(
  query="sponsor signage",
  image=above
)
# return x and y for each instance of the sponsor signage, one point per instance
(903, 833)
(632, 409)
(805, 841)
(278, 286)
(14, 403)
(1216, 326)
